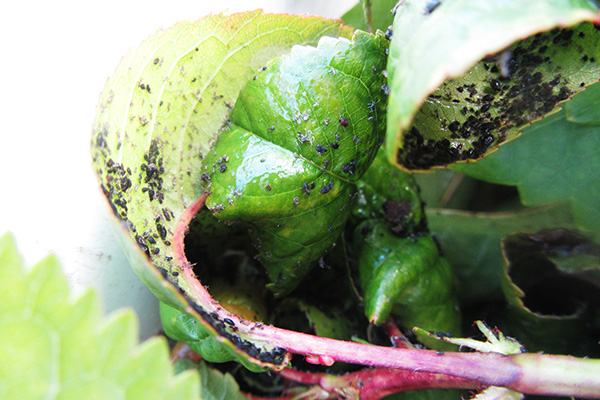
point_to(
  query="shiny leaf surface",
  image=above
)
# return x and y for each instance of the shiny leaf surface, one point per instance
(406, 277)
(302, 133)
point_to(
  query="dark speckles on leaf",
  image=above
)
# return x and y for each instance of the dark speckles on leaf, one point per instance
(389, 33)
(349, 168)
(385, 89)
(454, 126)
(142, 243)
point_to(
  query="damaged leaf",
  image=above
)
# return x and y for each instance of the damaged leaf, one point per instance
(552, 286)
(302, 133)
(155, 121)
(569, 148)
(458, 103)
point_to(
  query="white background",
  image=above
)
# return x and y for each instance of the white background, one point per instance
(55, 57)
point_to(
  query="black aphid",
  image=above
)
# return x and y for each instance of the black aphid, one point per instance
(326, 189)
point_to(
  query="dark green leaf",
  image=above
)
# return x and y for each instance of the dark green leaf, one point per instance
(386, 192)
(471, 243)
(552, 309)
(555, 161)
(488, 99)
(408, 276)
(302, 133)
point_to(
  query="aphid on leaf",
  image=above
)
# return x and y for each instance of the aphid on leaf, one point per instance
(343, 122)
(389, 32)
(306, 188)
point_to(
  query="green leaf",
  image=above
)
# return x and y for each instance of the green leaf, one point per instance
(496, 341)
(381, 11)
(408, 276)
(483, 101)
(158, 116)
(215, 384)
(183, 327)
(302, 133)
(585, 107)
(552, 289)
(555, 161)
(55, 346)
(471, 243)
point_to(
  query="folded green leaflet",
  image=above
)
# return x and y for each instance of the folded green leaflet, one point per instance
(302, 132)
(406, 277)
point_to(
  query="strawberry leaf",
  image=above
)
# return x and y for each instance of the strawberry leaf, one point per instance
(54, 345)
(215, 384)
(457, 103)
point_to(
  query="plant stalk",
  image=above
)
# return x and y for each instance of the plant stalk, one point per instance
(525, 373)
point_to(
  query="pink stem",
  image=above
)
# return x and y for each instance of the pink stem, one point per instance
(486, 368)
(373, 384)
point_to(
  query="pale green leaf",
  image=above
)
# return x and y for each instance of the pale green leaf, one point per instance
(54, 347)
(158, 116)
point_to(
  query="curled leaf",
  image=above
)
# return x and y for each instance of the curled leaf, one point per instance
(302, 133)
(551, 283)
(406, 277)
(458, 103)
(156, 119)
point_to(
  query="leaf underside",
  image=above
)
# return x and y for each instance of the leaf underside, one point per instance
(572, 151)
(487, 99)
(156, 119)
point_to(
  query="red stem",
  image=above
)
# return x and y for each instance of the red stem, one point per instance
(373, 384)
(494, 369)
